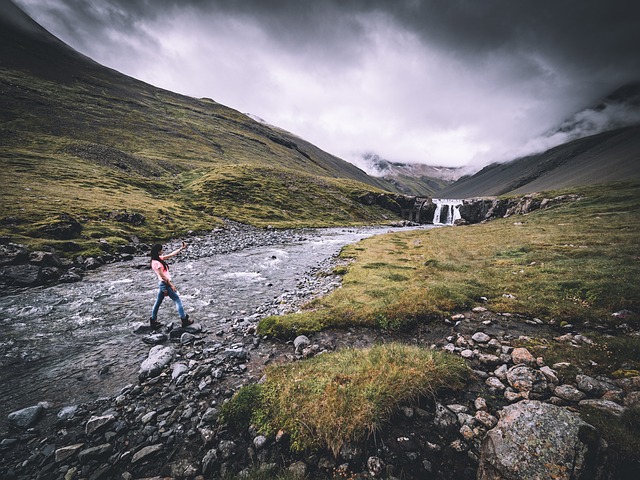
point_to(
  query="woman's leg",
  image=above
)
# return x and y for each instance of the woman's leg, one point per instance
(159, 299)
(176, 299)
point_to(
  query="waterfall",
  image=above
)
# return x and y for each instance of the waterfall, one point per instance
(447, 211)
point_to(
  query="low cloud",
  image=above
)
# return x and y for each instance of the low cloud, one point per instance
(466, 83)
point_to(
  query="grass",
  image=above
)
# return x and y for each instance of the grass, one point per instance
(575, 262)
(283, 197)
(343, 397)
(103, 143)
(615, 357)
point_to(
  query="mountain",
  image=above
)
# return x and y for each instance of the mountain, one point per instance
(409, 178)
(81, 140)
(599, 144)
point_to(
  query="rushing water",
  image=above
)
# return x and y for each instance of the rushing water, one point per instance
(71, 343)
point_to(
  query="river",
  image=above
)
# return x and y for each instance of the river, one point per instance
(72, 343)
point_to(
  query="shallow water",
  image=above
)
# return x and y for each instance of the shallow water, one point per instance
(72, 343)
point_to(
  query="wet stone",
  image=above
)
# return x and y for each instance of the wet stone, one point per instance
(26, 417)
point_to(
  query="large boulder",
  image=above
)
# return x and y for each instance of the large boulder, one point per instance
(65, 228)
(158, 358)
(20, 275)
(535, 440)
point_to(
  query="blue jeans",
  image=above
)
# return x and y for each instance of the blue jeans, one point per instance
(163, 290)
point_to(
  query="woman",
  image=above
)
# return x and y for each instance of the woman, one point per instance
(159, 265)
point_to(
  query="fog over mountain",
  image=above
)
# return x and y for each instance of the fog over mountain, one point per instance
(452, 83)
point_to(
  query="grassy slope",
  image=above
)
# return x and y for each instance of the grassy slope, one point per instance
(575, 262)
(606, 157)
(81, 139)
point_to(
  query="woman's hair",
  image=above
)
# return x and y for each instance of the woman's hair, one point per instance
(155, 255)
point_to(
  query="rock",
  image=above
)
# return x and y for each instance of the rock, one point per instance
(480, 403)
(186, 338)
(239, 354)
(148, 417)
(94, 453)
(96, 423)
(92, 263)
(466, 353)
(20, 275)
(64, 453)
(226, 449)
(178, 369)
(512, 396)
(154, 338)
(480, 337)
(158, 358)
(146, 452)
(535, 440)
(298, 470)
(590, 385)
(444, 418)
(300, 342)
(67, 413)
(209, 462)
(569, 393)
(524, 378)
(26, 417)
(44, 259)
(260, 442)
(65, 229)
(522, 355)
(501, 371)
(13, 254)
(606, 406)
(550, 374)
(494, 382)
(486, 419)
(210, 416)
(184, 468)
(489, 360)
(376, 466)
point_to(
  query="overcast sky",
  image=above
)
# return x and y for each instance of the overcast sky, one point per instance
(441, 82)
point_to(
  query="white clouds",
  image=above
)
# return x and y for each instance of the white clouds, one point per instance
(410, 81)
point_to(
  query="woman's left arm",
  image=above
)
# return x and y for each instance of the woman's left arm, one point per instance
(175, 252)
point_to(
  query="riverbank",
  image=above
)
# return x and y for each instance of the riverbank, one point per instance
(166, 424)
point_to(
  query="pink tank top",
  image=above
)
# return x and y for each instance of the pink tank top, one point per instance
(158, 267)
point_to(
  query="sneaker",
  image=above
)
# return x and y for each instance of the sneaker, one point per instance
(186, 322)
(154, 323)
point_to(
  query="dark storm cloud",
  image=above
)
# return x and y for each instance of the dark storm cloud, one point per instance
(446, 81)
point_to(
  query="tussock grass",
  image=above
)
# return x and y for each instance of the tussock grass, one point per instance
(343, 397)
(574, 262)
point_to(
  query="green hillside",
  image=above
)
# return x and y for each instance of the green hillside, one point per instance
(123, 158)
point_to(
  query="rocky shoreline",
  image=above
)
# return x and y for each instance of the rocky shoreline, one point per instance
(21, 268)
(166, 425)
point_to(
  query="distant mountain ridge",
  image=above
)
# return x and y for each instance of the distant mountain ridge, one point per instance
(409, 178)
(598, 144)
(606, 157)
